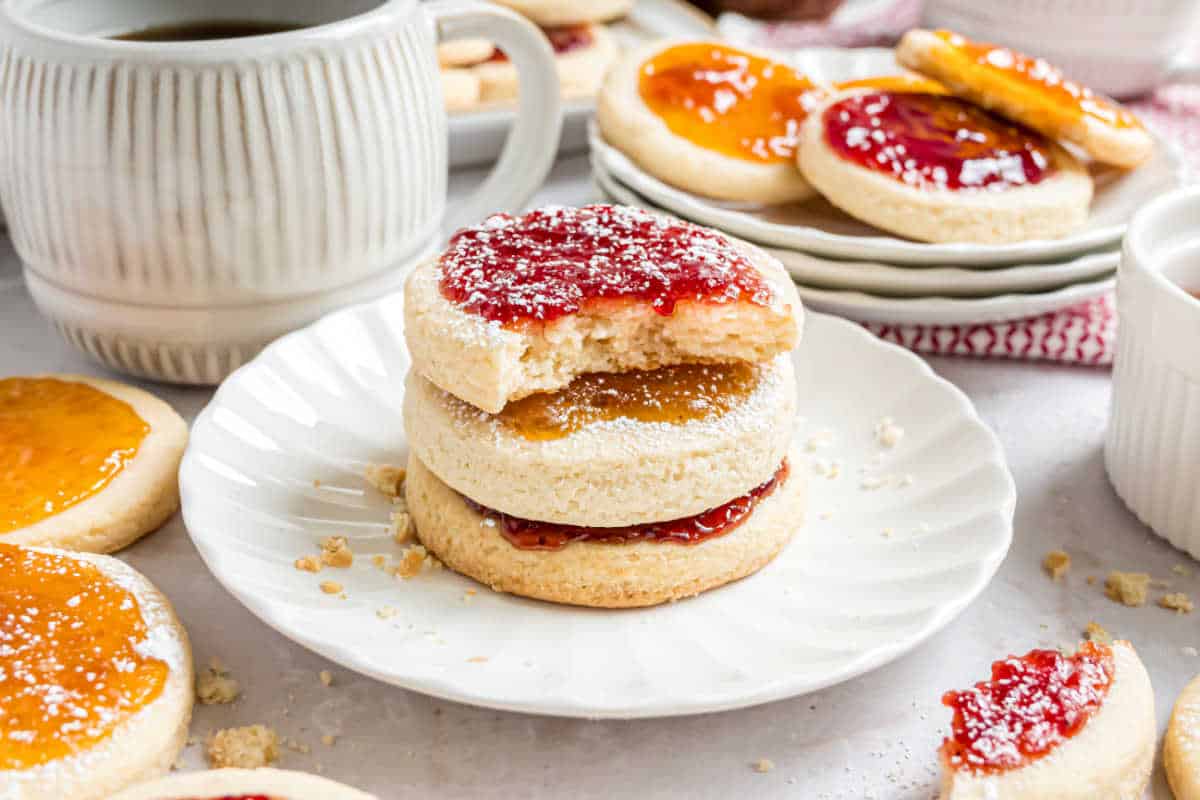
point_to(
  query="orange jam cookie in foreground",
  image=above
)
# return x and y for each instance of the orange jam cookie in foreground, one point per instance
(1049, 725)
(95, 675)
(1030, 91)
(243, 784)
(710, 118)
(520, 305)
(85, 464)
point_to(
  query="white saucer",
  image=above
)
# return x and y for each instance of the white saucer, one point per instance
(908, 281)
(817, 227)
(276, 460)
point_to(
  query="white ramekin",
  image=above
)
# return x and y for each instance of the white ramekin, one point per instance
(1153, 448)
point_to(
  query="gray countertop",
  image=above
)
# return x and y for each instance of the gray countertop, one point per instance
(871, 737)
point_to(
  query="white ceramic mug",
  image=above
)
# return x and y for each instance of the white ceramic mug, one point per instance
(178, 205)
(1153, 447)
(1122, 48)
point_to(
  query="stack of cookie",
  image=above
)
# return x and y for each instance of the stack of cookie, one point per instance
(476, 73)
(601, 406)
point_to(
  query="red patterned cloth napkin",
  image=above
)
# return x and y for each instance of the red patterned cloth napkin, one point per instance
(1080, 334)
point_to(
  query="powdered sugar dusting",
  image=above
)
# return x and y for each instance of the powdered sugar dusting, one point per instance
(550, 262)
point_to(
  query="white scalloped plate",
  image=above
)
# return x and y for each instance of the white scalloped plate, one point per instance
(907, 282)
(275, 464)
(817, 227)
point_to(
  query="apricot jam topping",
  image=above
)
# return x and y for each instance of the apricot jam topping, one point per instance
(933, 141)
(555, 261)
(60, 443)
(528, 534)
(725, 99)
(1057, 93)
(71, 661)
(563, 39)
(673, 395)
(1032, 704)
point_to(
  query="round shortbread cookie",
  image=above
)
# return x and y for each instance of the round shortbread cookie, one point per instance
(608, 473)
(142, 496)
(547, 13)
(1110, 759)
(1181, 745)
(488, 364)
(222, 783)
(629, 124)
(1049, 209)
(464, 52)
(599, 574)
(460, 89)
(147, 744)
(580, 70)
(1029, 91)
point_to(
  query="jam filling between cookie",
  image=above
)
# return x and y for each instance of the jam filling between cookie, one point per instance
(527, 534)
(935, 142)
(1032, 704)
(554, 262)
(563, 39)
(1057, 91)
(71, 662)
(60, 443)
(728, 100)
(673, 395)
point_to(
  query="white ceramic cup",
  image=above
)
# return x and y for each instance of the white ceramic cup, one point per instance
(179, 205)
(1153, 447)
(1122, 48)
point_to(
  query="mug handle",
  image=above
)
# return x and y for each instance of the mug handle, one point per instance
(532, 144)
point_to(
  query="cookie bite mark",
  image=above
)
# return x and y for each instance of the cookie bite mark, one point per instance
(1030, 91)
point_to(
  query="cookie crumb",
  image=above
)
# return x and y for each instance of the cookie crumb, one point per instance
(402, 527)
(1127, 588)
(416, 559)
(887, 433)
(328, 740)
(386, 612)
(296, 747)
(764, 765)
(1181, 570)
(308, 564)
(250, 747)
(331, 587)
(387, 478)
(335, 552)
(1095, 632)
(326, 677)
(1056, 563)
(1177, 602)
(214, 686)
(477, 660)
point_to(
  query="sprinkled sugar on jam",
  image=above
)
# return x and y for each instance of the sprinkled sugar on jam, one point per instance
(71, 662)
(563, 39)
(527, 534)
(673, 395)
(933, 141)
(60, 443)
(1042, 78)
(555, 261)
(728, 100)
(1032, 704)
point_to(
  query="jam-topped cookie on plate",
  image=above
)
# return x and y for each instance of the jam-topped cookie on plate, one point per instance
(243, 784)
(95, 676)
(1050, 726)
(85, 463)
(1030, 91)
(937, 168)
(582, 53)
(710, 118)
(601, 407)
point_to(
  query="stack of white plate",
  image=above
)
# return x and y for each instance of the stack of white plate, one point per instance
(848, 268)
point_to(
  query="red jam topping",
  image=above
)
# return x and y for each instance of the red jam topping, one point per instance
(530, 535)
(728, 100)
(1059, 94)
(555, 261)
(935, 142)
(563, 39)
(1032, 704)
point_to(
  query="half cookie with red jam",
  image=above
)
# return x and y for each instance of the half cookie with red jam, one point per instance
(1050, 726)
(601, 407)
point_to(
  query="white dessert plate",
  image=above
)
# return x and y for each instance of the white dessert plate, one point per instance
(819, 228)
(275, 464)
(908, 281)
